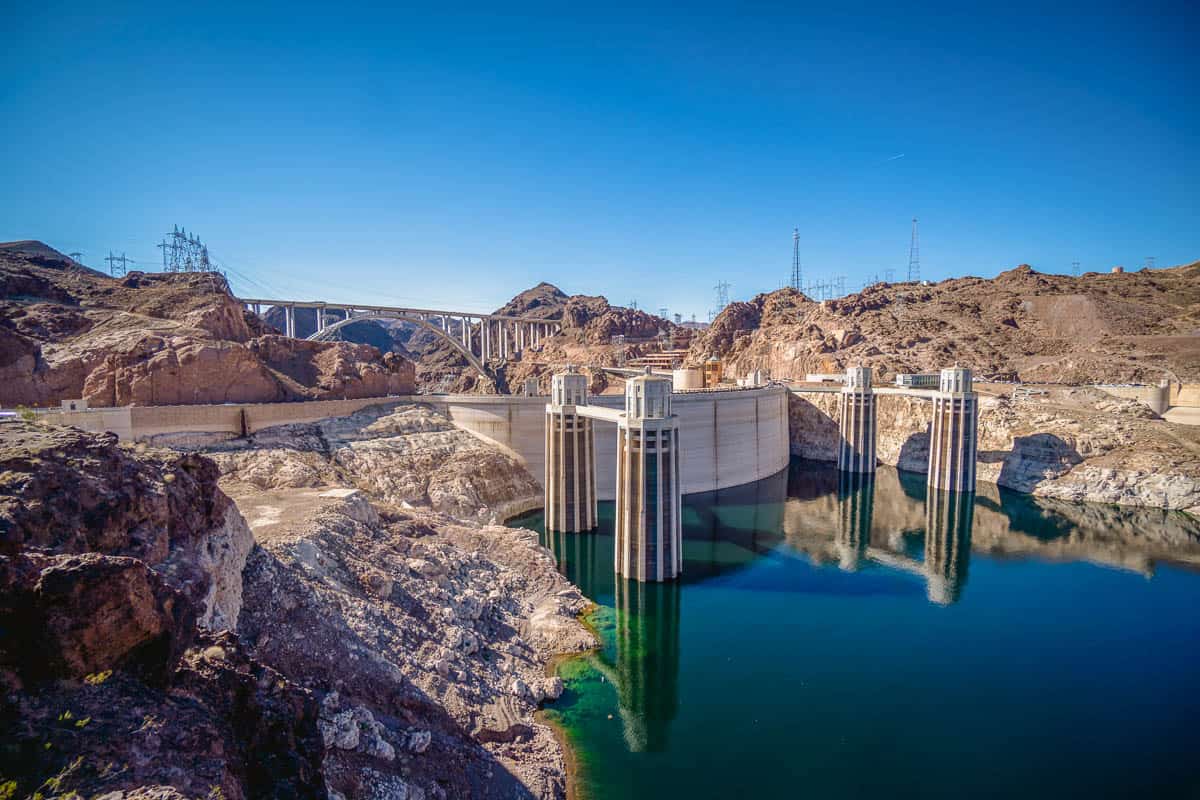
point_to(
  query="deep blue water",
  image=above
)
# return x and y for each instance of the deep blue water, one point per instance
(832, 640)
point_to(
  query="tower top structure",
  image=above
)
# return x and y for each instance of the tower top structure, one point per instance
(648, 396)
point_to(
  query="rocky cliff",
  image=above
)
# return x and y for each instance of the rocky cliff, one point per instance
(1069, 443)
(425, 632)
(118, 568)
(1112, 327)
(69, 332)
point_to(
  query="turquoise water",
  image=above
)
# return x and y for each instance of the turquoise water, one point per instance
(833, 640)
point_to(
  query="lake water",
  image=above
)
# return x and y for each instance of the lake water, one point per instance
(840, 639)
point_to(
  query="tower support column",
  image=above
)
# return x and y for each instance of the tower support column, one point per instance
(570, 478)
(856, 422)
(954, 437)
(649, 529)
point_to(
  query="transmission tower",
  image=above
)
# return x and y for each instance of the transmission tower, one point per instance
(184, 252)
(76, 256)
(797, 281)
(1149, 262)
(914, 256)
(1075, 268)
(664, 312)
(722, 290)
(117, 265)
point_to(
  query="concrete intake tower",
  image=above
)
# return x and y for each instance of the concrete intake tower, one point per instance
(953, 440)
(648, 527)
(856, 423)
(570, 457)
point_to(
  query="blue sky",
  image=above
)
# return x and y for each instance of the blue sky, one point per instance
(398, 154)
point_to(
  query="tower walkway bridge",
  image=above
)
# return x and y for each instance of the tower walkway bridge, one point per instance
(480, 338)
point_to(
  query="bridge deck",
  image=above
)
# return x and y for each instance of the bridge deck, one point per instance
(392, 310)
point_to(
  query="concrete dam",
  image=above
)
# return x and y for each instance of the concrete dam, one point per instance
(730, 436)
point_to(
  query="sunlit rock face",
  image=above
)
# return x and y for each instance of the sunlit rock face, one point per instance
(159, 339)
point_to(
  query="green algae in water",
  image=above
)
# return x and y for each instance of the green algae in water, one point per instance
(834, 640)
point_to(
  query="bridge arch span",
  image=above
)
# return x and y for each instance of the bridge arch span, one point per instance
(325, 334)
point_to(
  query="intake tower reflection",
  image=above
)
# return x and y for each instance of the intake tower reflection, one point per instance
(647, 668)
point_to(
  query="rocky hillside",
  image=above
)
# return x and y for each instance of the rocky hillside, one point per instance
(1128, 327)
(589, 325)
(407, 456)
(67, 331)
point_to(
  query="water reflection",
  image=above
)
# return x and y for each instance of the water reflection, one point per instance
(888, 524)
(948, 519)
(647, 669)
(895, 521)
(856, 504)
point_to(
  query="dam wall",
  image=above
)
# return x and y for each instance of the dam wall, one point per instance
(727, 438)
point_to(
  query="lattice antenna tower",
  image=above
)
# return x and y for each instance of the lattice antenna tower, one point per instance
(117, 265)
(914, 255)
(722, 290)
(797, 277)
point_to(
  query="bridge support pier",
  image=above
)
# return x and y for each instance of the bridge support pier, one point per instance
(954, 436)
(289, 321)
(649, 531)
(570, 479)
(856, 405)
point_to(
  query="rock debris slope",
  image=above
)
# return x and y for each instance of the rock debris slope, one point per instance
(425, 635)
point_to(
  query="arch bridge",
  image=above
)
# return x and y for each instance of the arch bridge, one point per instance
(479, 338)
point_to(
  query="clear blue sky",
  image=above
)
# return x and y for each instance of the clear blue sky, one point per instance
(458, 156)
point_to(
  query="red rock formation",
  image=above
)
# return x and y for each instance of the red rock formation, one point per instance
(66, 332)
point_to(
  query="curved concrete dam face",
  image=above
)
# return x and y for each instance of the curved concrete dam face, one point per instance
(726, 438)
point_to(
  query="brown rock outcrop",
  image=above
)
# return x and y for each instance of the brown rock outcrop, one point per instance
(66, 491)
(108, 557)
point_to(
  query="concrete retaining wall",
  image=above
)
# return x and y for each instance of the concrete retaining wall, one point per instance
(727, 438)
(1156, 397)
(1185, 394)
